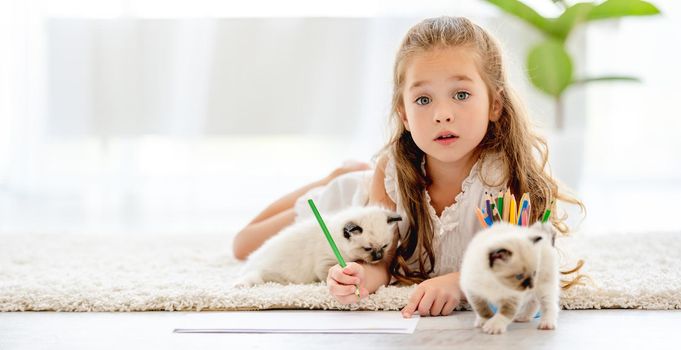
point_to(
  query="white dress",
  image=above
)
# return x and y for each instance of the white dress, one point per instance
(452, 230)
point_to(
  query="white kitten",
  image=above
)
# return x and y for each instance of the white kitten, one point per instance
(301, 254)
(515, 269)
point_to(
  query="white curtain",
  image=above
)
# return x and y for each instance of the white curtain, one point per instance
(166, 115)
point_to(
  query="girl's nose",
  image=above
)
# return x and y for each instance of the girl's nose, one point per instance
(441, 118)
(443, 112)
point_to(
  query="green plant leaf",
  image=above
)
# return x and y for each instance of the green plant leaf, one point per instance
(573, 15)
(606, 79)
(549, 67)
(622, 8)
(524, 12)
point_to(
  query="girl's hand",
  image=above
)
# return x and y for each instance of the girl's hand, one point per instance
(434, 297)
(342, 282)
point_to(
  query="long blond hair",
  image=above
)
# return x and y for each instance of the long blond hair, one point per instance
(523, 154)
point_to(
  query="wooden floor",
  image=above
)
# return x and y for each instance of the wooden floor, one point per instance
(577, 330)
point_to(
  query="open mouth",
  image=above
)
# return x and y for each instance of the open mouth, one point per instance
(446, 137)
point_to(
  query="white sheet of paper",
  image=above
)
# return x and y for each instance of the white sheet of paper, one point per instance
(298, 321)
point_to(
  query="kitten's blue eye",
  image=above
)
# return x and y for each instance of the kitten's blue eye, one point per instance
(519, 276)
(367, 249)
(462, 95)
(422, 101)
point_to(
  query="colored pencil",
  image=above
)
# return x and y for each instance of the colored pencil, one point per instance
(547, 213)
(529, 212)
(481, 217)
(488, 219)
(500, 204)
(512, 216)
(488, 205)
(507, 204)
(496, 213)
(336, 252)
(521, 209)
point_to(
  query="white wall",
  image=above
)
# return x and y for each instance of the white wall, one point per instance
(136, 115)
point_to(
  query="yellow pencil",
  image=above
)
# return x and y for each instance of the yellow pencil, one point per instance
(512, 217)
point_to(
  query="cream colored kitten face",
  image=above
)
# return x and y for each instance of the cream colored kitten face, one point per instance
(371, 235)
(515, 261)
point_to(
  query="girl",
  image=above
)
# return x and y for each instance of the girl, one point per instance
(459, 134)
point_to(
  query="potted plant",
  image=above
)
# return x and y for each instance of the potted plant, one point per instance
(549, 65)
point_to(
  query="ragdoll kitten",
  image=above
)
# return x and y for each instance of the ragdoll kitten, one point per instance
(515, 269)
(301, 254)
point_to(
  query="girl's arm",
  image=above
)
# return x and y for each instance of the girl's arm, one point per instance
(280, 214)
(341, 281)
(436, 296)
(378, 275)
(270, 221)
(377, 193)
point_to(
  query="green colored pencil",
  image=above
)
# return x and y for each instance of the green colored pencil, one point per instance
(547, 213)
(500, 204)
(341, 261)
(339, 257)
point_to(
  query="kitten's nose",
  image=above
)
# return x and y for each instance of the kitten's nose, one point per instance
(527, 283)
(376, 255)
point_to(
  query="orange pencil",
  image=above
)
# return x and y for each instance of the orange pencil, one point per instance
(481, 217)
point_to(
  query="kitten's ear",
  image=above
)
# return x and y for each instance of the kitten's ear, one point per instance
(394, 218)
(499, 254)
(545, 229)
(351, 228)
(535, 239)
(542, 226)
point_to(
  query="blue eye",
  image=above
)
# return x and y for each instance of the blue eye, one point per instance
(423, 100)
(461, 95)
(519, 276)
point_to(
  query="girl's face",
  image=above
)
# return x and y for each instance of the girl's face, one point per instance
(445, 103)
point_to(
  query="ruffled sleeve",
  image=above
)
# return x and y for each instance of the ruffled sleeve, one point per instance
(390, 179)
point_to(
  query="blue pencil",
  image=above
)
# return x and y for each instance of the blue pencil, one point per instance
(522, 212)
(489, 210)
(488, 219)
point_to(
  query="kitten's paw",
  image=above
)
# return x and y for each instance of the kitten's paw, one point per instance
(241, 283)
(522, 318)
(546, 324)
(479, 321)
(247, 281)
(495, 325)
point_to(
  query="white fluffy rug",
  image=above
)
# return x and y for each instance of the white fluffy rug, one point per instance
(194, 272)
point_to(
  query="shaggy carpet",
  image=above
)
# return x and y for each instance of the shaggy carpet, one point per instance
(194, 272)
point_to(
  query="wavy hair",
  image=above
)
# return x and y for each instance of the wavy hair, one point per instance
(524, 154)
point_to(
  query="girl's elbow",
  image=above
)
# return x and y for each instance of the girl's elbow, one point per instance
(240, 252)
